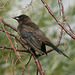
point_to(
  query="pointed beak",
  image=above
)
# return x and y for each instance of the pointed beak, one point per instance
(16, 18)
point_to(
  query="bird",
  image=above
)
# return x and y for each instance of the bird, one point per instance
(31, 35)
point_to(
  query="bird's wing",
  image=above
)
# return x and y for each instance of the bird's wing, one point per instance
(32, 40)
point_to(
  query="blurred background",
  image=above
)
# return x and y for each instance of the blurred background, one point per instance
(53, 63)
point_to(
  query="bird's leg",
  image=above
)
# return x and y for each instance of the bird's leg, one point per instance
(34, 52)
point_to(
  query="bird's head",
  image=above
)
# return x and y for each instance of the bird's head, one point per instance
(22, 18)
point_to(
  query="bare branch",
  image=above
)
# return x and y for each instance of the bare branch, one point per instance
(64, 19)
(10, 48)
(14, 48)
(27, 64)
(49, 10)
(3, 6)
(15, 38)
(37, 61)
(8, 25)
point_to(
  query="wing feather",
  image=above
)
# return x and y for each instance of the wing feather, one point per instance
(32, 40)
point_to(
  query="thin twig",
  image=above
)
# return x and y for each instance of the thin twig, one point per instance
(37, 72)
(15, 38)
(3, 6)
(14, 48)
(22, 43)
(8, 25)
(36, 59)
(49, 10)
(37, 63)
(28, 60)
(27, 64)
(10, 48)
(62, 9)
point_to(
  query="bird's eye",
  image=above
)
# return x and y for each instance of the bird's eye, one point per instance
(21, 17)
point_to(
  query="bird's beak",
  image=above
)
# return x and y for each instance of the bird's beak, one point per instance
(16, 18)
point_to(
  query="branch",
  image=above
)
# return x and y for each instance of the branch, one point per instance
(8, 25)
(10, 48)
(37, 63)
(49, 10)
(14, 48)
(64, 19)
(3, 5)
(22, 43)
(36, 59)
(27, 64)
(15, 38)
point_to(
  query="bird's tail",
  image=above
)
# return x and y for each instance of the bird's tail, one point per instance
(56, 49)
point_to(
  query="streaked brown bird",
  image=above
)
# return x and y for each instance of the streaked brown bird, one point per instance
(31, 35)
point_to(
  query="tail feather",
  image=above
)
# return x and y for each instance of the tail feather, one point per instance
(56, 49)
